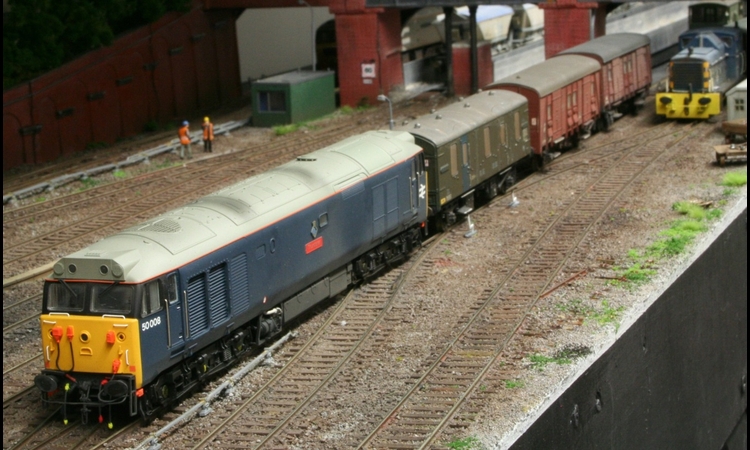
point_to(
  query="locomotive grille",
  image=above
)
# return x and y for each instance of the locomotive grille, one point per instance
(687, 76)
(162, 226)
(218, 299)
(238, 283)
(196, 304)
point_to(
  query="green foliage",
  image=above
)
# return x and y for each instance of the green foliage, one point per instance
(166, 164)
(575, 307)
(538, 362)
(464, 444)
(88, 183)
(120, 174)
(40, 35)
(608, 314)
(676, 238)
(673, 241)
(512, 384)
(690, 209)
(280, 130)
(636, 273)
(735, 179)
(728, 192)
(348, 110)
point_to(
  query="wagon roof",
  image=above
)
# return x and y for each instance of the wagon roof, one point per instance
(609, 47)
(552, 74)
(459, 118)
(182, 235)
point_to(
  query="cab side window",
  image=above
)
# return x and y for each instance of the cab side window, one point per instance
(151, 302)
(172, 288)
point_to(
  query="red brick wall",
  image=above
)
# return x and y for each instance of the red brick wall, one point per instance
(566, 24)
(462, 68)
(368, 38)
(177, 68)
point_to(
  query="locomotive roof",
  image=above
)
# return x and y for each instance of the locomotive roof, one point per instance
(459, 118)
(703, 46)
(606, 48)
(552, 74)
(177, 237)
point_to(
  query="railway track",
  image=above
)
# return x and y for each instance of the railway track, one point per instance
(19, 395)
(496, 305)
(262, 418)
(440, 398)
(429, 407)
(170, 190)
(277, 414)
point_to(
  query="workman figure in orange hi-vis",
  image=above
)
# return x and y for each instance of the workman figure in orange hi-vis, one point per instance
(208, 135)
(184, 133)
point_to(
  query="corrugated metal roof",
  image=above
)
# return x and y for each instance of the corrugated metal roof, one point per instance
(552, 74)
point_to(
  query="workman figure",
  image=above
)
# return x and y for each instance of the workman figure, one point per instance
(208, 135)
(184, 134)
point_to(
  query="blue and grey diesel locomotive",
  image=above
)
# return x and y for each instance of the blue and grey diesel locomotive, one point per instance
(709, 63)
(141, 317)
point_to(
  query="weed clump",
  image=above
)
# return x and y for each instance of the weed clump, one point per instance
(734, 179)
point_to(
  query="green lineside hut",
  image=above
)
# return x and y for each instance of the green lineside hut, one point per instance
(293, 97)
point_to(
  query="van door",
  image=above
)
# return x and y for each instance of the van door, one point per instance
(465, 163)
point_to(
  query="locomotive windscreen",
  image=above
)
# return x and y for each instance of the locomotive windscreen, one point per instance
(687, 76)
(94, 298)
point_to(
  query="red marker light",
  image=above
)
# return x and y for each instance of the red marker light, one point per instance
(57, 333)
(110, 337)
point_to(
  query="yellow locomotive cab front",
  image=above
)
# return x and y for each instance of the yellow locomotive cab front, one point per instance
(676, 105)
(91, 345)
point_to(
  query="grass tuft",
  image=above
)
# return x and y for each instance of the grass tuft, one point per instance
(467, 443)
(734, 179)
(281, 130)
